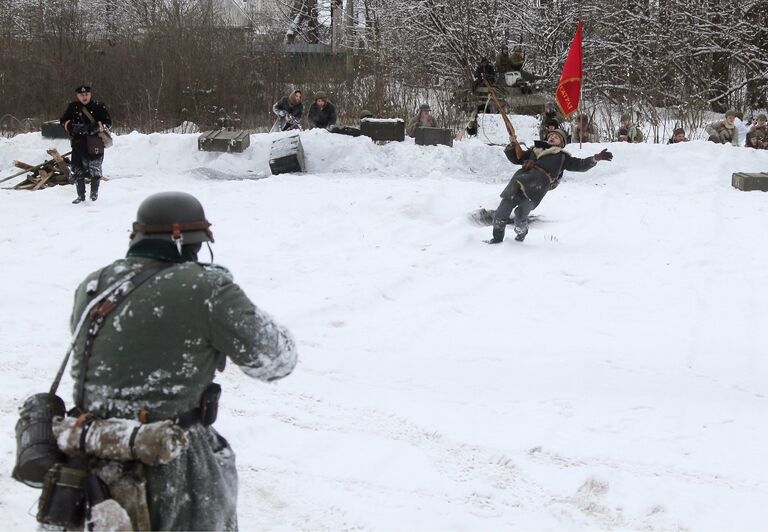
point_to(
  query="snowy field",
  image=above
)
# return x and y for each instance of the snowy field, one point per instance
(608, 373)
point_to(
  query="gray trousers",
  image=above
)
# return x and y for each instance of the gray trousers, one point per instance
(503, 211)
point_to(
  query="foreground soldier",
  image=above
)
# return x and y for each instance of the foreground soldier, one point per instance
(155, 358)
(83, 130)
(542, 170)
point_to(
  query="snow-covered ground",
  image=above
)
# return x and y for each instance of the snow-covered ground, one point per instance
(608, 373)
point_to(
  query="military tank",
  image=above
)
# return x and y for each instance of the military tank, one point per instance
(518, 92)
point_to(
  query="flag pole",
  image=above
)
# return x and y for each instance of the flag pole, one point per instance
(581, 92)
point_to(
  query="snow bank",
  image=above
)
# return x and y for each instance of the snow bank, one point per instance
(607, 373)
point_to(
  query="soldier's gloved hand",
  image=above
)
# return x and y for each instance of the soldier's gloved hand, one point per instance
(604, 155)
(281, 113)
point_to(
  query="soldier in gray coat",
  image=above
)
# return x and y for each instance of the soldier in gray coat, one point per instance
(156, 355)
(724, 131)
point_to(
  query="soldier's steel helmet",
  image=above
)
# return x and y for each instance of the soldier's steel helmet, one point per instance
(762, 116)
(730, 112)
(625, 117)
(365, 113)
(172, 216)
(561, 134)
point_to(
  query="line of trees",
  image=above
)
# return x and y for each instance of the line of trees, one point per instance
(159, 62)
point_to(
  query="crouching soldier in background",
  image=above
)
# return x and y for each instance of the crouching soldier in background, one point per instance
(84, 119)
(757, 140)
(678, 135)
(421, 119)
(632, 132)
(289, 111)
(542, 170)
(155, 364)
(322, 113)
(484, 72)
(583, 129)
(758, 133)
(724, 131)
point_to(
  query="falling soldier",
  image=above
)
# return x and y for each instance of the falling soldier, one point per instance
(542, 170)
(85, 120)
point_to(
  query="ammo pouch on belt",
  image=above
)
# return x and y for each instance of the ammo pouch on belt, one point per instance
(62, 502)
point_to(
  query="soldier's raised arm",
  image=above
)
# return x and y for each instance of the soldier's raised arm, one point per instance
(252, 339)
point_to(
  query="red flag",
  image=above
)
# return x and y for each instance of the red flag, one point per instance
(569, 88)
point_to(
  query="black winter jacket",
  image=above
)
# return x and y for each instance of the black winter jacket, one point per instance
(321, 117)
(543, 167)
(74, 116)
(284, 104)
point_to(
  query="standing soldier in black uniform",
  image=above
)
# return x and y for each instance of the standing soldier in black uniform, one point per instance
(542, 170)
(83, 120)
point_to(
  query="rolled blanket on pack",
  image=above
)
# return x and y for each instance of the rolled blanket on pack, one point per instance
(120, 439)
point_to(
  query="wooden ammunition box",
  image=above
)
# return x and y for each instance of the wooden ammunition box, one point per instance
(745, 181)
(431, 136)
(286, 155)
(223, 140)
(52, 129)
(383, 128)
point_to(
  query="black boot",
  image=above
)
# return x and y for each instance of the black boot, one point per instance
(520, 233)
(80, 186)
(95, 188)
(499, 226)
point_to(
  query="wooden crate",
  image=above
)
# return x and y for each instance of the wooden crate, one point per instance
(223, 140)
(383, 129)
(746, 181)
(286, 155)
(52, 129)
(432, 136)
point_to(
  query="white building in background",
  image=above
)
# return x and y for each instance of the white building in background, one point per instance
(239, 12)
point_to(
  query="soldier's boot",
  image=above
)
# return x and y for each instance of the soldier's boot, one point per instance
(80, 186)
(520, 233)
(95, 188)
(499, 226)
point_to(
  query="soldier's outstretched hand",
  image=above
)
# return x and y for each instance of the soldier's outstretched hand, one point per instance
(604, 155)
(512, 138)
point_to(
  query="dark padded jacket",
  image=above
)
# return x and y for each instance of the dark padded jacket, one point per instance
(324, 117)
(543, 167)
(289, 105)
(74, 115)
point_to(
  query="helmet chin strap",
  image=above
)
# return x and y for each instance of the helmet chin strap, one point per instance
(210, 250)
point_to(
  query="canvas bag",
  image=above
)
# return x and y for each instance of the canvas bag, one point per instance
(97, 143)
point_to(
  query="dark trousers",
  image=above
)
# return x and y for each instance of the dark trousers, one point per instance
(503, 211)
(84, 165)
